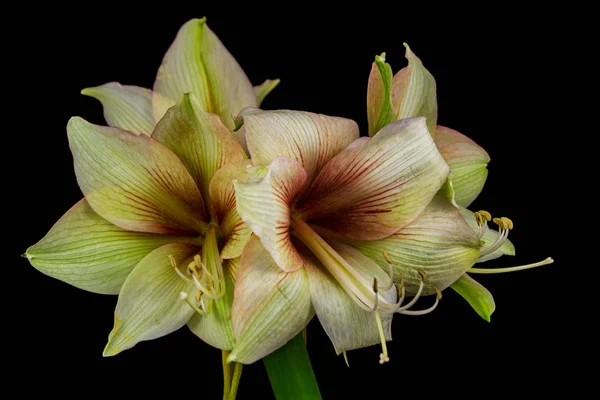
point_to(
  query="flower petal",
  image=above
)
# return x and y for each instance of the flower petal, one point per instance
(270, 306)
(86, 251)
(380, 110)
(488, 238)
(149, 305)
(264, 89)
(467, 161)
(134, 181)
(197, 62)
(478, 296)
(414, 92)
(311, 139)
(348, 326)
(234, 231)
(199, 139)
(377, 186)
(439, 242)
(215, 328)
(126, 107)
(264, 204)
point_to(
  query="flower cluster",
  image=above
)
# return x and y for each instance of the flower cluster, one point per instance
(201, 209)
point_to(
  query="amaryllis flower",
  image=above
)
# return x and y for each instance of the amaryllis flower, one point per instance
(325, 190)
(411, 92)
(158, 223)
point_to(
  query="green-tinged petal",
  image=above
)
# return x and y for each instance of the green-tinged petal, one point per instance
(378, 185)
(348, 326)
(264, 204)
(126, 107)
(439, 242)
(488, 238)
(478, 296)
(149, 305)
(199, 139)
(380, 111)
(133, 181)
(270, 306)
(467, 161)
(85, 250)
(311, 139)
(197, 62)
(215, 327)
(414, 92)
(264, 89)
(234, 231)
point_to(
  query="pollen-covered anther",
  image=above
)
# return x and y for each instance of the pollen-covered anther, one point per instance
(505, 225)
(482, 217)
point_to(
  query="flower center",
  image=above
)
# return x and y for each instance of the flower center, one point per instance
(364, 288)
(208, 276)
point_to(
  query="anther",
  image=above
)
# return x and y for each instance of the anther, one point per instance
(387, 256)
(423, 275)
(482, 217)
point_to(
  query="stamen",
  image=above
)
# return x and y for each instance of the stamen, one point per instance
(383, 357)
(438, 297)
(174, 265)
(414, 300)
(505, 225)
(390, 271)
(482, 217)
(185, 297)
(547, 261)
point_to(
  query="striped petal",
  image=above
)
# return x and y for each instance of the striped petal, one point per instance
(311, 139)
(86, 251)
(467, 161)
(215, 327)
(198, 63)
(476, 295)
(264, 204)
(133, 181)
(439, 242)
(348, 326)
(270, 306)
(414, 92)
(199, 139)
(234, 231)
(489, 237)
(379, 185)
(125, 107)
(149, 305)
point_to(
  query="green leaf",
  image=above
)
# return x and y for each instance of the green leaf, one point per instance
(478, 296)
(290, 372)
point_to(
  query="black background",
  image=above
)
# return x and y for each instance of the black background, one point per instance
(497, 73)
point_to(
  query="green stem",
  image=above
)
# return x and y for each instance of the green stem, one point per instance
(235, 382)
(226, 375)
(290, 372)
